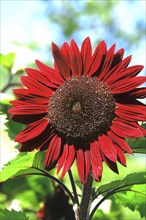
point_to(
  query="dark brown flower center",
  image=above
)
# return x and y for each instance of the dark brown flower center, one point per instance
(81, 109)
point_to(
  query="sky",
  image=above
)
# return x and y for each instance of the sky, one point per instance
(24, 21)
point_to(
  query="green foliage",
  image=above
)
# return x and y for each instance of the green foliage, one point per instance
(30, 191)
(12, 215)
(13, 128)
(134, 200)
(38, 161)
(125, 184)
(22, 162)
(129, 192)
(138, 145)
(7, 60)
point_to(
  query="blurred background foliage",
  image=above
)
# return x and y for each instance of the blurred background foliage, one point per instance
(111, 20)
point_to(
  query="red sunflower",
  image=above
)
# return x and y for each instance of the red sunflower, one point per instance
(82, 109)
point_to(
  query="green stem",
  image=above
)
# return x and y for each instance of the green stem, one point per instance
(86, 199)
(106, 196)
(44, 173)
(73, 187)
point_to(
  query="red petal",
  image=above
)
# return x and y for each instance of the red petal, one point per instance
(96, 161)
(68, 159)
(83, 164)
(75, 59)
(36, 87)
(61, 62)
(97, 57)
(26, 94)
(114, 71)
(110, 164)
(126, 85)
(86, 52)
(40, 77)
(33, 130)
(37, 142)
(125, 130)
(88, 164)
(28, 109)
(62, 158)
(28, 98)
(132, 112)
(139, 93)
(126, 73)
(120, 141)
(107, 147)
(121, 156)
(53, 151)
(65, 50)
(51, 74)
(117, 57)
(108, 61)
(142, 130)
(26, 119)
(19, 102)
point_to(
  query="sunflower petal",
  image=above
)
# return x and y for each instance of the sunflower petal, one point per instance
(112, 165)
(121, 156)
(33, 130)
(86, 52)
(125, 130)
(107, 147)
(53, 151)
(126, 73)
(83, 164)
(75, 59)
(68, 160)
(61, 62)
(125, 85)
(130, 112)
(120, 142)
(96, 160)
(97, 58)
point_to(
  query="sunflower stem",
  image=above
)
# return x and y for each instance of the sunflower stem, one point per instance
(73, 186)
(86, 199)
(61, 184)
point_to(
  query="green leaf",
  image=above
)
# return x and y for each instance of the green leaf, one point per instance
(13, 128)
(138, 145)
(11, 215)
(125, 192)
(134, 200)
(126, 183)
(18, 166)
(39, 160)
(7, 60)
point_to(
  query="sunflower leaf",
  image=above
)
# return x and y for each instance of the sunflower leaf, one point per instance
(138, 145)
(126, 183)
(129, 192)
(38, 161)
(18, 166)
(11, 215)
(133, 199)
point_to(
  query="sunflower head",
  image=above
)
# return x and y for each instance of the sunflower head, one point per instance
(82, 109)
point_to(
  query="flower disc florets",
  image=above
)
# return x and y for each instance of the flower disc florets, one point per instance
(81, 109)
